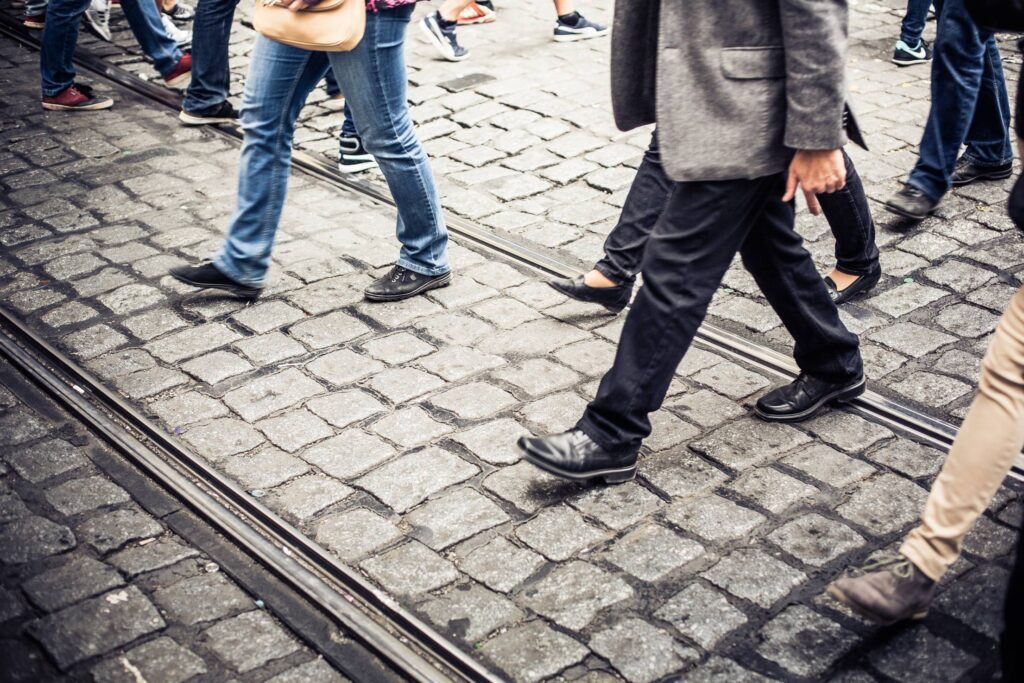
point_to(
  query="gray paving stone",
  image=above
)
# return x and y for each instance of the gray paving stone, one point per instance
(69, 314)
(97, 626)
(400, 385)
(474, 400)
(731, 379)
(454, 517)
(121, 363)
(264, 469)
(617, 507)
(959, 276)
(558, 533)
(140, 559)
(455, 363)
(410, 569)
(573, 594)
(318, 670)
(332, 329)
(908, 457)
(346, 407)
(494, 440)
(554, 413)
(11, 507)
(990, 540)
(354, 534)
(267, 395)
(344, 367)
(410, 427)
(804, 642)
(149, 382)
(268, 349)
(161, 659)
(828, 465)
(294, 430)
(268, 316)
(745, 443)
(668, 431)
(501, 565)
(680, 474)
(537, 376)
(965, 320)
(884, 504)
(533, 339)
(393, 315)
(32, 538)
(650, 552)
(249, 641)
(640, 651)
(304, 497)
(454, 328)
(533, 652)
(112, 530)
(348, 454)
(705, 408)
(203, 598)
(714, 518)
(906, 298)
(917, 655)
(79, 578)
(187, 408)
(44, 460)
(977, 600)
(931, 389)
(816, 540)
(847, 432)
(701, 614)
(131, 298)
(192, 342)
(505, 313)
(152, 324)
(470, 612)
(754, 575)
(222, 437)
(216, 367)
(397, 349)
(720, 670)
(911, 339)
(772, 490)
(411, 478)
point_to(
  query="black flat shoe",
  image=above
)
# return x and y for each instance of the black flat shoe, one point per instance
(207, 276)
(574, 455)
(911, 203)
(612, 298)
(804, 397)
(402, 283)
(862, 285)
(967, 171)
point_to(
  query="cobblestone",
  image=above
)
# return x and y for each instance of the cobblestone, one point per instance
(534, 651)
(651, 552)
(248, 641)
(701, 614)
(574, 593)
(558, 533)
(471, 612)
(410, 569)
(753, 575)
(803, 642)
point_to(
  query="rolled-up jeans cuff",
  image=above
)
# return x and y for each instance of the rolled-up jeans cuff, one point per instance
(585, 426)
(985, 164)
(423, 270)
(923, 559)
(229, 270)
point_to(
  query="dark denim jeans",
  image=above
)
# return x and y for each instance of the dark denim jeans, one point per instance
(847, 212)
(211, 34)
(1013, 619)
(697, 235)
(913, 21)
(60, 36)
(969, 102)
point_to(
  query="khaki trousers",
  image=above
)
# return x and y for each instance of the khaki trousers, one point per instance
(983, 452)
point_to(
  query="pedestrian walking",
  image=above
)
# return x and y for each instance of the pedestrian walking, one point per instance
(740, 129)
(970, 108)
(373, 78)
(610, 282)
(439, 27)
(206, 101)
(911, 48)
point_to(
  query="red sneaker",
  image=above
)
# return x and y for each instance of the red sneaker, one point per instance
(77, 98)
(35, 21)
(182, 73)
(476, 14)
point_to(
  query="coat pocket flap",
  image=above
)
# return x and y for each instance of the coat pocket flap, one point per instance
(754, 62)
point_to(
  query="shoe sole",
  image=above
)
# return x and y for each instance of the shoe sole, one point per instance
(190, 120)
(35, 25)
(1000, 175)
(866, 289)
(106, 104)
(247, 294)
(916, 61)
(179, 81)
(573, 37)
(844, 395)
(425, 287)
(840, 596)
(357, 168)
(439, 44)
(906, 214)
(610, 308)
(610, 475)
(481, 20)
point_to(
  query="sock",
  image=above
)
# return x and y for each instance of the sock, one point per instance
(444, 23)
(569, 19)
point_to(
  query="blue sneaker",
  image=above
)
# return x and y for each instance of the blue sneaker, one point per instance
(577, 27)
(903, 55)
(443, 39)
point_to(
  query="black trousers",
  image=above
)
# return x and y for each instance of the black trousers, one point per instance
(695, 238)
(1013, 629)
(846, 211)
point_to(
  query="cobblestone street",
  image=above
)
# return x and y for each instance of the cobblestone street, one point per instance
(385, 431)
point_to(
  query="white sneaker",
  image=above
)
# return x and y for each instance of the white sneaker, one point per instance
(97, 19)
(181, 37)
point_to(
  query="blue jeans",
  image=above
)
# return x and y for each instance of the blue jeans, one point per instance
(211, 34)
(374, 81)
(969, 102)
(913, 21)
(60, 35)
(348, 126)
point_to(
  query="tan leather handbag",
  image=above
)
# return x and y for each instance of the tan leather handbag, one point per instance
(330, 26)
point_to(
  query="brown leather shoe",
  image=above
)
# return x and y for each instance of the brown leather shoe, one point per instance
(886, 590)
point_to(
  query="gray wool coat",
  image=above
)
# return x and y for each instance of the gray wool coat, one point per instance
(734, 85)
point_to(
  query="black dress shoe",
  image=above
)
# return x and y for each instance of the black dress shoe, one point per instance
(967, 171)
(911, 203)
(862, 285)
(208, 277)
(804, 397)
(402, 283)
(574, 455)
(612, 298)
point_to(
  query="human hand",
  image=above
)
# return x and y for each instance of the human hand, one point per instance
(815, 172)
(299, 5)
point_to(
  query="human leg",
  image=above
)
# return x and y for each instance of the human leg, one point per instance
(211, 35)
(849, 217)
(60, 36)
(144, 19)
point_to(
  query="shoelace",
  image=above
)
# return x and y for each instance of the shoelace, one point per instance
(398, 273)
(895, 563)
(912, 191)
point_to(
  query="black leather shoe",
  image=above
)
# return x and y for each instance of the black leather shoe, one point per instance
(402, 283)
(862, 285)
(207, 276)
(911, 203)
(574, 455)
(612, 298)
(967, 171)
(804, 397)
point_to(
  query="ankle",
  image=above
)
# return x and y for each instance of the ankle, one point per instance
(596, 278)
(445, 23)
